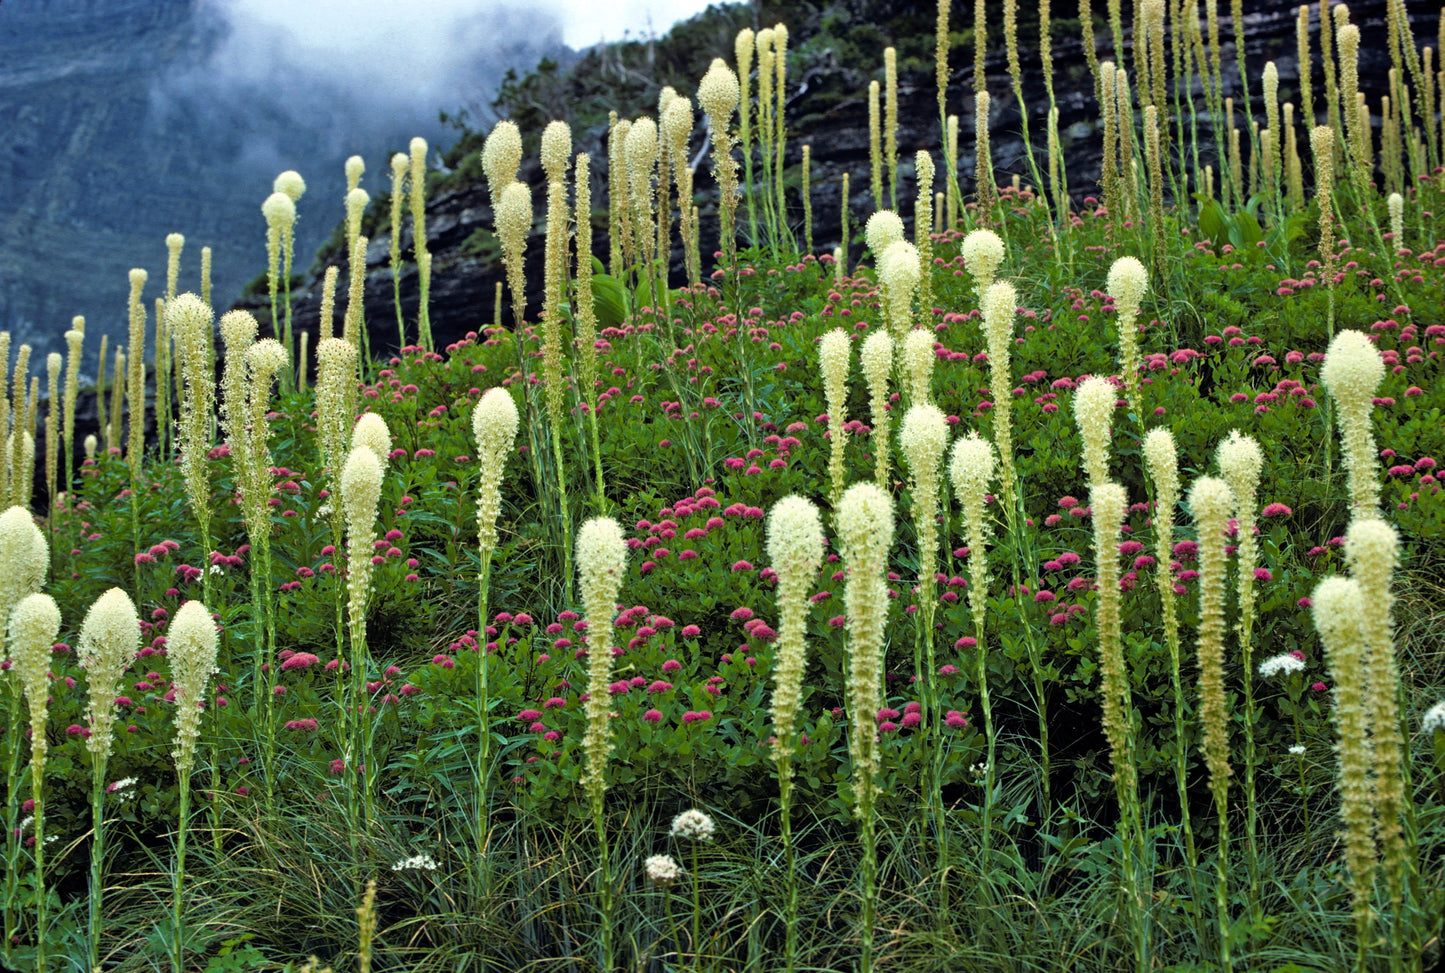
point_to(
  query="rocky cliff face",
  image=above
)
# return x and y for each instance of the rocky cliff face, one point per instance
(828, 110)
(117, 128)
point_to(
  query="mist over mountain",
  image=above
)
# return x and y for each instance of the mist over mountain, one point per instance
(124, 120)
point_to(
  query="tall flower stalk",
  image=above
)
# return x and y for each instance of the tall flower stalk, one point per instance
(279, 210)
(971, 467)
(417, 197)
(109, 640)
(360, 491)
(34, 623)
(601, 561)
(264, 361)
(26, 556)
(1210, 501)
(189, 322)
(877, 359)
(400, 166)
(586, 332)
(494, 423)
(191, 648)
(1372, 551)
(833, 355)
(999, 302)
(795, 548)
(1161, 461)
(1339, 610)
(923, 438)
(1109, 503)
(865, 530)
(1352, 372)
(556, 153)
(1240, 464)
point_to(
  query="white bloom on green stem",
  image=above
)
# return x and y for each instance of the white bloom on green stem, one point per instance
(694, 825)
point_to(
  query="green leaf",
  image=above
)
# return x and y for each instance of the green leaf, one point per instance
(609, 298)
(1213, 222)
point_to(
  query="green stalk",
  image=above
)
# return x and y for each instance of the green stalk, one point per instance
(790, 914)
(288, 377)
(870, 873)
(604, 880)
(178, 877)
(97, 857)
(484, 734)
(37, 794)
(696, 912)
(12, 808)
(563, 510)
(981, 674)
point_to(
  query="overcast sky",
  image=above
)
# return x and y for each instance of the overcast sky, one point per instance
(423, 25)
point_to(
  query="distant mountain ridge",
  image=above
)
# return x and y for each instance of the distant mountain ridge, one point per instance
(114, 131)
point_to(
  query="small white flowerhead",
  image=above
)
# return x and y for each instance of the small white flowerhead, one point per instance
(718, 92)
(662, 871)
(279, 210)
(1094, 402)
(971, 465)
(355, 166)
(238, 331)
(795, 541)
(924, 437)
(899, 267)
(877, 358)
(1000, 304)
(1434, 719)
(266, 357)
(601, 562)
(109, 640)
(677, 123)
(693, 825)
(416, 863)
(24, 554)
(1297, 750)
(356, 202)
(556, 149)
(1126, 284)
(361, 488)
(34, 624)
(1283, 664)
(982, 255)
(1339, 607)
(864, 521)
(884, 229)
(1161, 455)
(371, 431)
(514, 217)
(495, 420)
(291, 183)
(502, 156)
(833, 357)
(1353, 369)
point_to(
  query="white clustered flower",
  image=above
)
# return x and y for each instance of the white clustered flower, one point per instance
(662, 870)
(1284, 663)
(884, 228)
(1298, 750)
(983, 254)
(1434, 719)
(693, 824)
(417, 862)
